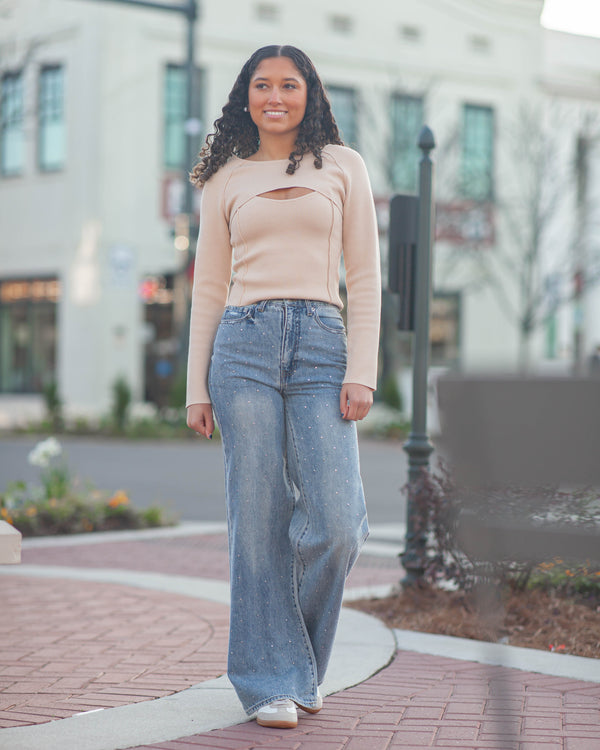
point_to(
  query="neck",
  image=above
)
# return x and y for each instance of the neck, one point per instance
(271, 149)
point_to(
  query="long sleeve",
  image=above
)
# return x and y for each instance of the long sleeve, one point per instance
(360, 241)
(212, 274)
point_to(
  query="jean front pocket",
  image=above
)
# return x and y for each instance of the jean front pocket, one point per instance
(330, 319)
(235, 314)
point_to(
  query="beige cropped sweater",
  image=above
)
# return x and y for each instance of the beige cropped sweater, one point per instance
(252, 248)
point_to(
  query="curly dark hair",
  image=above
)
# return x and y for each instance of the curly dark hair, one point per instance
(236, 134)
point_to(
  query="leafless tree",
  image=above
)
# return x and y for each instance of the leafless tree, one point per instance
(537, 263)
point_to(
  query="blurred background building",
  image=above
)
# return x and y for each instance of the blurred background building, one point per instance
(92, 150)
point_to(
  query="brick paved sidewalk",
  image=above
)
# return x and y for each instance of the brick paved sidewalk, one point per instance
(68, 646)
(423, 701)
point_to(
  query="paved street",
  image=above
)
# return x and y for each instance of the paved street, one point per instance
(188, 476)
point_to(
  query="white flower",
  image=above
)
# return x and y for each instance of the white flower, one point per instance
(9, 501)
(44, 451)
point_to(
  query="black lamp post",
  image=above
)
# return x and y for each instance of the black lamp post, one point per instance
(411, 220)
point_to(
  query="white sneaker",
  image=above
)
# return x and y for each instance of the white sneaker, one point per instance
(281, 714)
(313, 709)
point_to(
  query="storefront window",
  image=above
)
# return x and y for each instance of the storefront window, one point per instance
(27, 334)
(444, 332)
(444, 329)
(157, 293)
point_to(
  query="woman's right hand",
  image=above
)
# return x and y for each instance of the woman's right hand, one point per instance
(200, 419)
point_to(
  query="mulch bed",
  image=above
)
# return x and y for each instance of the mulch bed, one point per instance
(532, 618)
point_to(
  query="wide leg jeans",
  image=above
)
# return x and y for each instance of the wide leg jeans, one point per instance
(295, 505)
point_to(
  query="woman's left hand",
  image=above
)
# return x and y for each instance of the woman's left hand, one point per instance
(355, 401)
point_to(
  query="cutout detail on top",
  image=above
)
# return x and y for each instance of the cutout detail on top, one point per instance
(282, 194)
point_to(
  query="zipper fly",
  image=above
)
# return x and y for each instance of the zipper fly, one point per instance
(289, 341)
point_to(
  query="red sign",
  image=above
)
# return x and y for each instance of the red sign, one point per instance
(465, 223)
(459, 223)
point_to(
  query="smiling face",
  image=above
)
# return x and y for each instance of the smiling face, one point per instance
(277, 98)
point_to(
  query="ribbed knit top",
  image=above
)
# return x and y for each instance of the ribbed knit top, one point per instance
(252, 248)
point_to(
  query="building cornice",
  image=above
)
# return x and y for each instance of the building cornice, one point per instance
(571, 90)
(493, 13)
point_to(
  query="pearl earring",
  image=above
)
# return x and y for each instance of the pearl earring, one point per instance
(245, 109)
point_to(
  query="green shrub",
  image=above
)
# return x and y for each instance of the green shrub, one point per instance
(566, 578)
(390, 393)
(177, 393)
(54, 406)
(76, 514)
(121, 393)
(153, 516)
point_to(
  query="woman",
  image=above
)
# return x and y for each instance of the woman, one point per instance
(282, 198)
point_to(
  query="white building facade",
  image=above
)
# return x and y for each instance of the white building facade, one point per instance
(92, 151)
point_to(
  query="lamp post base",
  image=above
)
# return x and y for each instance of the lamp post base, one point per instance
(413, 560)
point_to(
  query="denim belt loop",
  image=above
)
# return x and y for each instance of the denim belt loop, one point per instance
(263, 304)
(310, 307)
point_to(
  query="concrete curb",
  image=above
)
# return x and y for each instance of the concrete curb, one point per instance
(498, 654)
(385, 540)
(198, 588)
(185, 528)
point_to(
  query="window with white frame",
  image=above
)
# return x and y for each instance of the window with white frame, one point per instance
(344, 107)
(12, 152)
(175, 113)
(51, 119)
(477, 167)
(406, 124)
